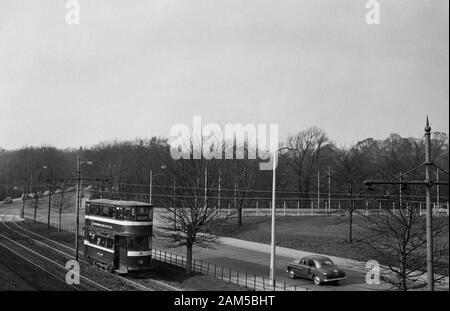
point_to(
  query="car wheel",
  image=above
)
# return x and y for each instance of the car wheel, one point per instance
(317, 280)
(292, 274)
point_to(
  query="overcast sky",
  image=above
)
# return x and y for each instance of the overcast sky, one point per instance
(134, 68)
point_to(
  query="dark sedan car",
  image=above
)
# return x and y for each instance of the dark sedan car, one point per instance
(320, 269)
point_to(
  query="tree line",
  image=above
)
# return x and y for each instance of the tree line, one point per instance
(309, 155)
(194, 191)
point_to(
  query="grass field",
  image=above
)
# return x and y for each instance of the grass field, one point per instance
(324, 235)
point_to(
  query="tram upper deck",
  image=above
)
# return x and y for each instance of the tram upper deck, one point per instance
(122, 217)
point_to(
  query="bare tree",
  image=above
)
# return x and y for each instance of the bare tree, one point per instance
(238, 175)
(113, 161)
(398, 241)
(194, 211)
(305, 150)
(62, 200)
(244, 180)
(351, 169)
(33, 199)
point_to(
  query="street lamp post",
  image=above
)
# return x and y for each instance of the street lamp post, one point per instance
(272, 245)
(272, 253)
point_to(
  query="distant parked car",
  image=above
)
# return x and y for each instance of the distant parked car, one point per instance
(319, 269)
(442, 209)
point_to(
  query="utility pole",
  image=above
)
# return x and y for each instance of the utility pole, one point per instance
(235, 187)
(77, 221)
(173, 204)
(428, 183)
(50, 197)
(400, 178)
(79, 199)
(318, 190)
(329, 188)
(151, 187)
(206, 187)
(78, 179)
(22, 212)
(220, 181)
(430, 259)
(438, 199)
(36, 198)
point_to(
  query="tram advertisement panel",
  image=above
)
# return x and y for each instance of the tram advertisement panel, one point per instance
(120, 226)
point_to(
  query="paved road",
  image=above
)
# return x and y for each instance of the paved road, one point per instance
(257, 263)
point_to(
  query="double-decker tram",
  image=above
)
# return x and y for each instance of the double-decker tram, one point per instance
(118, 234)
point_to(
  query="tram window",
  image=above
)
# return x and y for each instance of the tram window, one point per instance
(142, 213)
(118, 213)
(109, 243)
(138, 243)
(92, 238)
(126, 213)
(95, 210)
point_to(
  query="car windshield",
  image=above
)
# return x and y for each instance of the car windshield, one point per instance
(326, 262)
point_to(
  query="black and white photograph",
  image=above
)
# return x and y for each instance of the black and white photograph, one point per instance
(222, 154)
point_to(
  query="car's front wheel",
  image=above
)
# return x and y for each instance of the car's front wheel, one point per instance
(317, 280)
(292, 274)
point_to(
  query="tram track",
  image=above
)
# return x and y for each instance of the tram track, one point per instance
(23, 257)
(46, 264)
(57, 247)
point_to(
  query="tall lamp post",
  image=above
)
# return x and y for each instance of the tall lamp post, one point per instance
(428, 183)
(274, 187)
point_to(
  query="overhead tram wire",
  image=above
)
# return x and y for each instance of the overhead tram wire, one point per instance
(343, 194)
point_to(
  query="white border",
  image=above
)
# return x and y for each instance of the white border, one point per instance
(139, 253)
(86, 242)
(119, 222)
